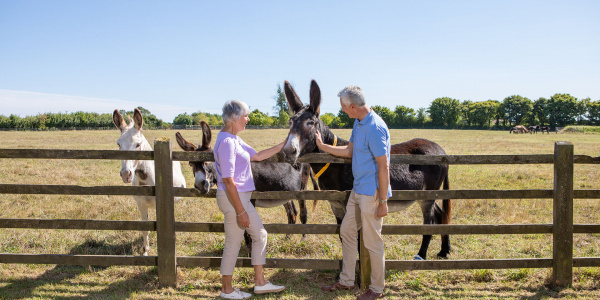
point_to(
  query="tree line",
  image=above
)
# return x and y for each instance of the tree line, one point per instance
(75, 120)
(559, 110)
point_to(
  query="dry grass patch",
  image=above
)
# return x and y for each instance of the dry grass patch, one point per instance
(43, 281)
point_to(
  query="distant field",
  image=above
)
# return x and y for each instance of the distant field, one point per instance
(49, 281)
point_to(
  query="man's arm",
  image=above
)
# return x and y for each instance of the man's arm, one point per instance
(343, 151)
(383, 173)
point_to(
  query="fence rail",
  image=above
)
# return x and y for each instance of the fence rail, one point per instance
(562, 228)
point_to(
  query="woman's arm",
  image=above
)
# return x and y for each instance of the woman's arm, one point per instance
(264, 154)
(234, 197)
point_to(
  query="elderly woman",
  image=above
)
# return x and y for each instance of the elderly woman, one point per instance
(235, 186)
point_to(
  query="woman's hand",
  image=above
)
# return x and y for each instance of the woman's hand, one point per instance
(244, 220)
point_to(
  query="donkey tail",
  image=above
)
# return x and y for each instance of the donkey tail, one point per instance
(315, 187)
(446, 204)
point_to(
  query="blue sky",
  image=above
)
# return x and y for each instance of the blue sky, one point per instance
(173, 57)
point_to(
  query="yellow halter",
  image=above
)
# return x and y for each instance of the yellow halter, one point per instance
(323, 169)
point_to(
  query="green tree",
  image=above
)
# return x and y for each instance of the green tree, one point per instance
(563, 109)
(517, 110)
(483, 113)
(327, 119)
(444, 112)
(582, 111)
(422, 117)
(258, 118)
(183, 119)
(541, 111)
(283, 119)
(404, 116)
(593, 112)
(466, 112)
(280, 102)
(345, 120)
(385, 113)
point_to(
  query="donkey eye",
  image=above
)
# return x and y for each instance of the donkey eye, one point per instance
(137, 145)
(310, 124)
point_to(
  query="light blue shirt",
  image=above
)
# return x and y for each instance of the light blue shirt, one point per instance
(370, 138)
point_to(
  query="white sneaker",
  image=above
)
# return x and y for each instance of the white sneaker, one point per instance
(236, 294)
(268, 288)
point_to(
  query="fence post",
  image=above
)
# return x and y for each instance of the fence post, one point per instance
(365, 263)
(165, 214)
(562, 229)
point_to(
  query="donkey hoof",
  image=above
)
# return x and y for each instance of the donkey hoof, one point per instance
(418, 257)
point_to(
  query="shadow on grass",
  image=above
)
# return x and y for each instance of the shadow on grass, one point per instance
(61, 275)
(483, 290)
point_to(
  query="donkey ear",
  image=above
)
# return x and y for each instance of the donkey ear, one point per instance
(292, 98)
(118, 120)
(185, 145)
(315, 98)
(138, 119)
(206, 134)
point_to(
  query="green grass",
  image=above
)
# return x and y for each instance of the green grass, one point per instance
(119, 282)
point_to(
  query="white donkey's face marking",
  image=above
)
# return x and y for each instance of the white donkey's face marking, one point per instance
(131, 139)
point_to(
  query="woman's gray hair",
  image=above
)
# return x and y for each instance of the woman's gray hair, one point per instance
(234, 109)
(352, 95)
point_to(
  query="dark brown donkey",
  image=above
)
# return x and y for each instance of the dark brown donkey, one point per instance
(267, 177)
(301, 140)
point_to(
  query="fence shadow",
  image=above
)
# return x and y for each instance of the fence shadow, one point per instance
(61, 275)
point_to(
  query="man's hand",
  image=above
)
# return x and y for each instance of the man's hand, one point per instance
(382, 210)
(318, 139)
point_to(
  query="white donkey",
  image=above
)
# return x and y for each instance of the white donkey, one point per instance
(140, 172)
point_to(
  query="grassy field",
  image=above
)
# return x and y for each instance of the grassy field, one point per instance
(70, 282)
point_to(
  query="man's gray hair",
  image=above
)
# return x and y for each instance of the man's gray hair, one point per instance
(352, 95)
(234, 109)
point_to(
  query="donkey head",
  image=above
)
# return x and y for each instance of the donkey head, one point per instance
(303, 124)
(131, 139)
(205, 173)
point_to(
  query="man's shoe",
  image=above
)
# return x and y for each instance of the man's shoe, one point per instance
(336, 286)
(236, 294)
(268, 288)
(369, 295)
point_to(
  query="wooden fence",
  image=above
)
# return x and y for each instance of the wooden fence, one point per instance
(562, 228)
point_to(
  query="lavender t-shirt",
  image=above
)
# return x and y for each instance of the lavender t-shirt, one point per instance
(232, 159)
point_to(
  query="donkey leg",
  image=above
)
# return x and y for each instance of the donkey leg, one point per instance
(248, 241)
(292, 213)
(445, 237)
(427, 210)
(144, 216)
(303, 214)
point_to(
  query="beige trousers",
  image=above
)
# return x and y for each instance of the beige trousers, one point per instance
(361, 211)
(234, 233)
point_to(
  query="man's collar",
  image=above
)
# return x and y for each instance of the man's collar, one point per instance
(366, 118)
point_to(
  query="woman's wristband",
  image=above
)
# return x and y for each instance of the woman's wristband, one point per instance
(381, 201)
(241, 213)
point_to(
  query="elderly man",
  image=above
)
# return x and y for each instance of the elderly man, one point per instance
(369, 149)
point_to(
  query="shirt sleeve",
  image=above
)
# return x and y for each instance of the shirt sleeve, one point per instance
(378, 142)
(352, 133)
(248, 149)
(226, 153)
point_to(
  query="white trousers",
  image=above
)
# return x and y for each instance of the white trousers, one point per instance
(234, 233)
